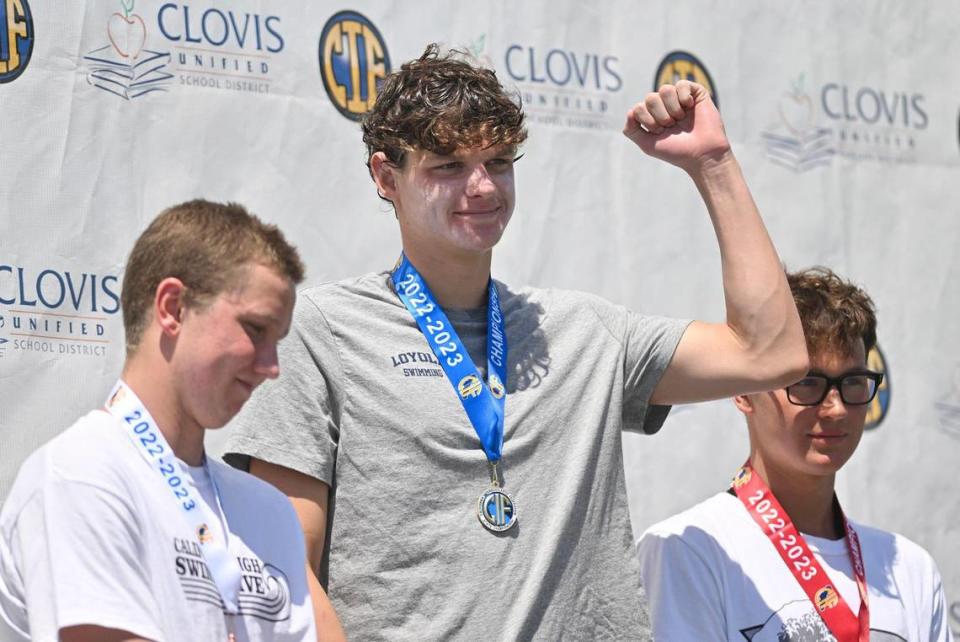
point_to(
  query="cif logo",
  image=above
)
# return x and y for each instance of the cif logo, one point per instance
(680, 65)
(496, 386)
(826, 598)
(16, 38)
(204, 534)
(496, 510)
(880, 405)
(742, 477)
(469, 386)
(353, 63)
(117, 397)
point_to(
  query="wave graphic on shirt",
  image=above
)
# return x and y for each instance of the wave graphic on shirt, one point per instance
(268, 597)
(264, 588)
(797, 622)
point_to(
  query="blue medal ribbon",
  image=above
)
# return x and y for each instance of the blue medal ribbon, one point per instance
(483, 401)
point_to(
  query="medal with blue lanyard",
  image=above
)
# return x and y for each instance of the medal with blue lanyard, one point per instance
(483, 401)
(146, 437)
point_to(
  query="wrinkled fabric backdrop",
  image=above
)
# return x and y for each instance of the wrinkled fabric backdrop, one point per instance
(844, 117)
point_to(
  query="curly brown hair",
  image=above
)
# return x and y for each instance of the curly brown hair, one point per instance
(441, 103)
(834, 312)
(206, 245)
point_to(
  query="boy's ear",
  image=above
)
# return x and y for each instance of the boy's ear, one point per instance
(168, 305)
(744, 404)
(384, 174)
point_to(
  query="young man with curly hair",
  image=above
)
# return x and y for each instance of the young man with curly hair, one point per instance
(774, 557)
(452, 443)
(120, 528)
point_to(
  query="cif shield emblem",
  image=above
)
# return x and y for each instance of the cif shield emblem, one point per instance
(682, 65)
(16, 38)
(827, 598)
(880, 406)
(496, 386)
(742, 477)
(497, 510)
(469, 386)
(117, 397)
(353, 62)
(204, 534)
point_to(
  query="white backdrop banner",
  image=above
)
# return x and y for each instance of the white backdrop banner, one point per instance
(843, 115)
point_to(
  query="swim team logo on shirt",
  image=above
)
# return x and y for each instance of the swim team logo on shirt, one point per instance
(417, 364)
(264, 589)
(797, 621)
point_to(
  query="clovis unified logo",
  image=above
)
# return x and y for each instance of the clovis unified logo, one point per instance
(814, 122)
(197, 46)
(57, 312)
(220, 48)
(123, 63)
(570, 87)
(16, 38)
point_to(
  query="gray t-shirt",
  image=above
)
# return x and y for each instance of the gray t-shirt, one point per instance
(362, 404)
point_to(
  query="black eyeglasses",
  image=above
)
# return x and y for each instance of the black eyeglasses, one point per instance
(855, 388)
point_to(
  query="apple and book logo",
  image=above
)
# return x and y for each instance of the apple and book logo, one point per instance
(127, 31)
(126, 67)
(796, 109)
(796, 141)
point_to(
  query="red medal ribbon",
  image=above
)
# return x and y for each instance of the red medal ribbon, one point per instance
(769, 515)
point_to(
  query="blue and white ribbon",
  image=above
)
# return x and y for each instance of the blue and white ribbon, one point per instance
(146, 437)
(482, 401)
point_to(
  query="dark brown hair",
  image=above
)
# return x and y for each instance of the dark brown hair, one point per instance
(206, 245)
(834, 312)
(441, 103)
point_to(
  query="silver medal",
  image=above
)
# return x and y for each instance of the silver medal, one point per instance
(496, 509)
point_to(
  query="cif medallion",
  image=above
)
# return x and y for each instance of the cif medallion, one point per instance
(496, 510)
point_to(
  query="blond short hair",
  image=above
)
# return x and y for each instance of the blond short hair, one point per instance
(206, 245)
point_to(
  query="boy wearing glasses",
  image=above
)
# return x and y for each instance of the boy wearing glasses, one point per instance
(774, 557)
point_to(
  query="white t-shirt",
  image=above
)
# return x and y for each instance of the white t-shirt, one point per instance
(710, 573)
(90, 535)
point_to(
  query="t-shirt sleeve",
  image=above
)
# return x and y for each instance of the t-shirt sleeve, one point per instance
(294, 421)
(684, 595)
(80, 560)
(648, 345)
(939, 622)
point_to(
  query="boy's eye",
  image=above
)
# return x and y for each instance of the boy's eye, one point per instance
(253, 329)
